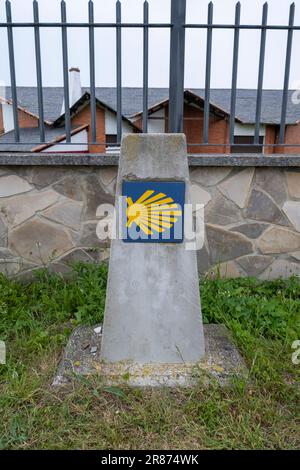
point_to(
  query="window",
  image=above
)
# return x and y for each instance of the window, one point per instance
(111, 147)
(247, 146)
(111, 139)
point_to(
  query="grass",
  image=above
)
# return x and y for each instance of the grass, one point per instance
(37, 318)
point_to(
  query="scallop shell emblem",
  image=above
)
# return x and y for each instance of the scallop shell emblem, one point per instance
(152, 212)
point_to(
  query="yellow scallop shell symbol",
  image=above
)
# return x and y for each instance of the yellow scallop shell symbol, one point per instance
(152, 212)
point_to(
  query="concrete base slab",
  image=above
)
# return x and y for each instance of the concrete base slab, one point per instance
(82, 358)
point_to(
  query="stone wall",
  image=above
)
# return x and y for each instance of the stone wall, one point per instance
(252, 220)
(252, 215)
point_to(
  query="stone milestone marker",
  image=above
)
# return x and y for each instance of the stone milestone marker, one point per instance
(152, 314)
(152, 332)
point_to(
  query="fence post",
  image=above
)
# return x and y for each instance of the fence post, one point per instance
(177, 53)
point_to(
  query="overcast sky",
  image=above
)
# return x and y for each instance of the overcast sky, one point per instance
(159, 44)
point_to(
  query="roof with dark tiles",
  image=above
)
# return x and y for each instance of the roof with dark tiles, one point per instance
(29, 138)
(132, 99)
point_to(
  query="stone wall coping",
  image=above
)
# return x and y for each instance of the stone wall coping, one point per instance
(98, 159)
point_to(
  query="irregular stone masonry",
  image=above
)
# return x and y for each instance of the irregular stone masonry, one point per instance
(252, 215)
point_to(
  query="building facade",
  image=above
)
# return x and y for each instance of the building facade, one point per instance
(158, 112)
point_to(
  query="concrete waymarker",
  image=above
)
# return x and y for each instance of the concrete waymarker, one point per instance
(153, 313)
(152, 333)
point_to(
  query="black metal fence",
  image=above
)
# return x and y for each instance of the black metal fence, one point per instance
(178, 28)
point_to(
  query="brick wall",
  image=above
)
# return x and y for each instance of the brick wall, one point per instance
(219, 133)
(1, 120)
(25, 120)
(193, 128)
(292, 137)
(83, 118)
(270, 138)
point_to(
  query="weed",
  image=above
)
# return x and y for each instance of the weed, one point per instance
(36, 319)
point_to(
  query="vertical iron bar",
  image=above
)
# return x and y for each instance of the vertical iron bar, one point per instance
(234, 71)
(207, 74)
(145, 67)
(12, 70)
(39, 70)
(261, 73)
(287, 74)
(177, 50)
(92, 71)
(119, 71)
(65, 70)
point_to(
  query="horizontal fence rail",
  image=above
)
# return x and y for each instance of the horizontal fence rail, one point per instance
(177, 26)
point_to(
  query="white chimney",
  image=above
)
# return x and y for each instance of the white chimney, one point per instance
(75, 91)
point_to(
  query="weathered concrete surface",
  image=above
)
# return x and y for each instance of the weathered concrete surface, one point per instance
(222, 361)
(153, 312)
(81, 355)
(104, 159)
